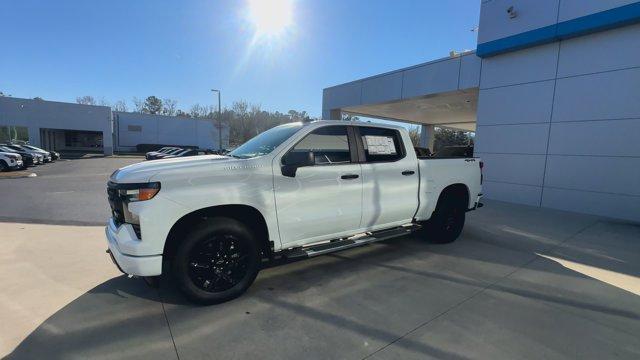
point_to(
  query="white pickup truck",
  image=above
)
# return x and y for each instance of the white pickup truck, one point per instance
(296, 190)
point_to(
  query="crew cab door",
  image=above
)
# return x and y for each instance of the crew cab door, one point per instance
(389, 175)
(322, 201)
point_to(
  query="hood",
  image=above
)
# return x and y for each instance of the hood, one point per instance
(143, 171)
(8, 153)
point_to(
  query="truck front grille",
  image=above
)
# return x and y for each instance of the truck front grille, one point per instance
(116, 203)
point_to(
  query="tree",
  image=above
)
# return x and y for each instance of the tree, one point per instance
(152, 105)
(138, 105)
(169, 106)
(198, 111)
(240, 112)
(179, 112)
(2, 94)
(298, 116)
(119, 105)
(103, 102)
(414, 134)
(86, 100)
(349, 117)
(449, 137)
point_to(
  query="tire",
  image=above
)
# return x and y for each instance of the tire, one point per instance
(217, 261)
(3, 166)
(447, 220)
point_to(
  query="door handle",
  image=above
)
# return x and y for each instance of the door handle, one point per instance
(408, 172)
(349, 176)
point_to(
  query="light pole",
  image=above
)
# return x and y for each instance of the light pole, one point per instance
(219, 120)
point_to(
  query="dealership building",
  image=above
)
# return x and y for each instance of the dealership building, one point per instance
(75, 127)
(552, 92)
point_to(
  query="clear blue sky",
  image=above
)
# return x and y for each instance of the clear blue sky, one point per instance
(180, 49)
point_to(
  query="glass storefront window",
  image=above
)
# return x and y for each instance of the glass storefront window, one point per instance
(13, 133)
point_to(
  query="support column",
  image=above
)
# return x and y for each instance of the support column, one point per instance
(107, 143)
(335, 114)
(427, 136)
(34, 136)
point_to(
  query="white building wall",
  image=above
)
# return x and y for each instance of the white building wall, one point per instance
(558, 124)
(135, 128)
(495, 23)
(40, 114)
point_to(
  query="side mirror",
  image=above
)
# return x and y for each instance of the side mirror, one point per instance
(294, 160)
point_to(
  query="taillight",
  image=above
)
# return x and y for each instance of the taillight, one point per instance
(481, 175)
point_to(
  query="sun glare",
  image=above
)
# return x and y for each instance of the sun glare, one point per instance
(270, 17)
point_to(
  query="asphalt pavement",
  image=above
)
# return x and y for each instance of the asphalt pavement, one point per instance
(71, 192)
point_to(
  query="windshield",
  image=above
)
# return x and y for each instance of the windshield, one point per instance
(265, 142)
(33, 148)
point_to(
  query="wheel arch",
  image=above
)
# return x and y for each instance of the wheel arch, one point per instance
(459, 190)
(246, 214)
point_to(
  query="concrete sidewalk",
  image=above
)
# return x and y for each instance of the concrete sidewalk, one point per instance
(521, 282)
(42, 269)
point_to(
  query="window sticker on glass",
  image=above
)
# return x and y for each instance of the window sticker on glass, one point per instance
(380, 145)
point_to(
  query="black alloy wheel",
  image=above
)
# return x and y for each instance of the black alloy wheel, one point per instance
(217, 261)
(218, 264)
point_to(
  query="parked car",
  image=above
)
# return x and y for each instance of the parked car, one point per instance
(54, 154)
(38, 158)
(27, 159)
(297, 190)
(159, 151)
(218, 151)
(48, 156)
(10, 161)
(169, 153)
(185, 152)
(153, 155)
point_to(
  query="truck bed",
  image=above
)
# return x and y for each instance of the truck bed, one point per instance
(438, 173)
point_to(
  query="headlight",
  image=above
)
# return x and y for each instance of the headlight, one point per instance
(141, 192)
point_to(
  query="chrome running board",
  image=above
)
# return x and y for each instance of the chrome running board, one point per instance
(348, 243)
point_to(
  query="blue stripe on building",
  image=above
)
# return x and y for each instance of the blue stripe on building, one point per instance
(605, 20)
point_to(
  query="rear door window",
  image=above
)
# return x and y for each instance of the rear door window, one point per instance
(380, 144)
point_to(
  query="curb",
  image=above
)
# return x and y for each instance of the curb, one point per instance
(17, 175)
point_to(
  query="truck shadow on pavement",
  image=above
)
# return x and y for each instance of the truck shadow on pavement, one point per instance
(402, 298)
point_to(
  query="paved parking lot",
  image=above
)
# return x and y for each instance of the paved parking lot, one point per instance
(521, 282)
(63, 192)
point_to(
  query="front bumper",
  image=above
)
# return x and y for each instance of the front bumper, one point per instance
(17, 164)
(129, 264)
